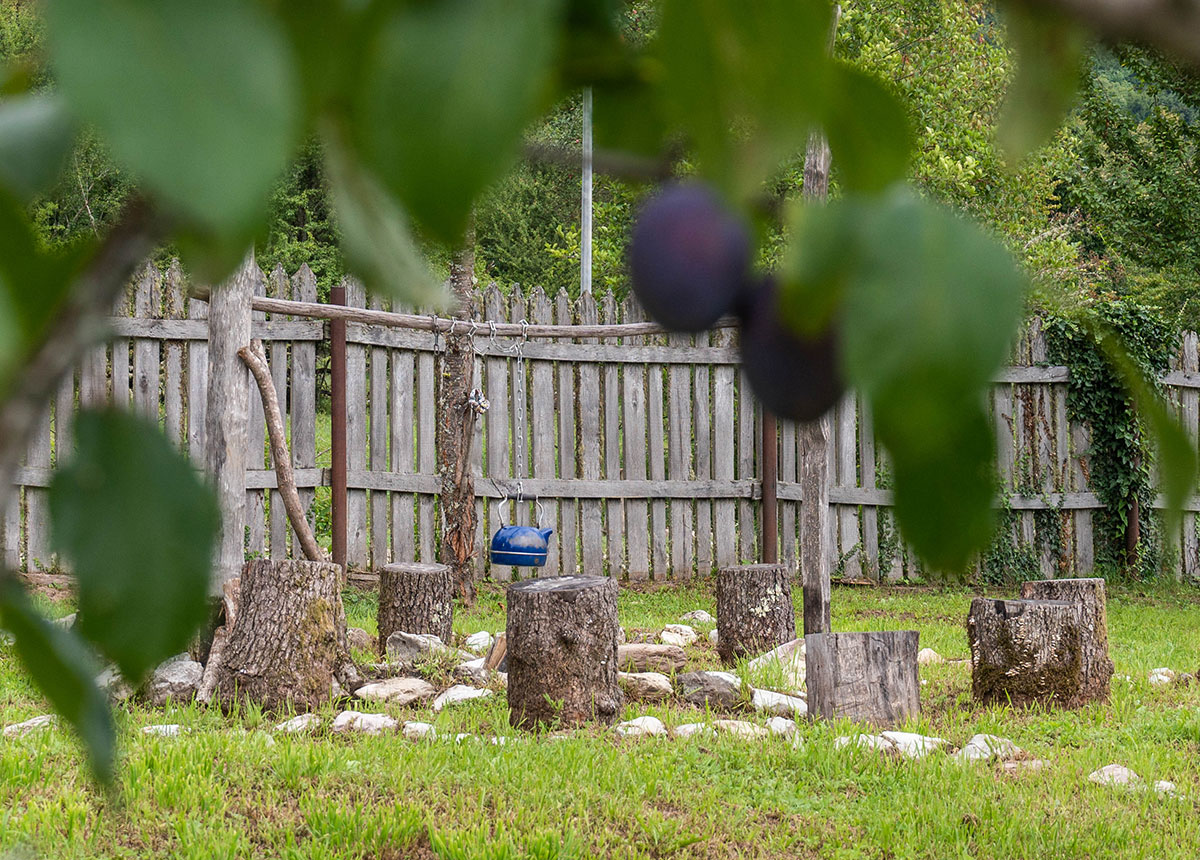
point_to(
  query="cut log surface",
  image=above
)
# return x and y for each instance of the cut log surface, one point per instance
(866, 677)
(1088, 595)
(562, 651)
(416, 598)
(754, 610)
(1029, 651)
(287, 645)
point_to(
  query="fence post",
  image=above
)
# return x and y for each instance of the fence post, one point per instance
(770, 488)
(227, 415)
(337, 420)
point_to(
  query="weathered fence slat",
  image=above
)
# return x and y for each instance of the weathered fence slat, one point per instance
(197, 384)
(846, 443)
(614, 514)
(702, 432)
(377, 455)
(542, 431)
(173, 301)
(403, 504)
(591, 512)
(278, 286)
(747, 442)
(724, 512)
(679, 455)
(302, 400)
(256, 431)
(1190, 415)
(499, 445)
(633, 412)
(659, 535)
(146, 354)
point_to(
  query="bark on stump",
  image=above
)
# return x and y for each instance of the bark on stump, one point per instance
(562, 651)
(754, 610)
(1027, 651)
(1089, 596)
(865, 677)
(287, 644)
(415, 598)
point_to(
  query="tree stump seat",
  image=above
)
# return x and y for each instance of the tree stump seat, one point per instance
(866, 677)
(754, 610)
(415, 598)
(561, 641)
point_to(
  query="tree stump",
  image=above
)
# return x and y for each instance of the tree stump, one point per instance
(562, 651)
(866, 677)
(754, 610)
(1027, 651)
(287, 644)
(1089, 596)
(415, 598)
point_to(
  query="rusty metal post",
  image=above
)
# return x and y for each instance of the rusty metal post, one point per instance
(337, 420)
(770, 488)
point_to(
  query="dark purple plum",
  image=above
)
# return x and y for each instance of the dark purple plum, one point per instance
(794, 377)
(689, 258)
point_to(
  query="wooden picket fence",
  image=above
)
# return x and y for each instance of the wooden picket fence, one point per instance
(644, 452)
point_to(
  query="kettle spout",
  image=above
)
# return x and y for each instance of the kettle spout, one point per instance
(545, 533)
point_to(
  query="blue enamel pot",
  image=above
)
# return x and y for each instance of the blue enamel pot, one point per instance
(520, 546)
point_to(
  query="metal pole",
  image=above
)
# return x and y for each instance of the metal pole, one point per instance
(770, 489)
(337, 419)
(585, 227)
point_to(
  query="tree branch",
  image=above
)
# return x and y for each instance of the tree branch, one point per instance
(1172, 25)
(81, 324)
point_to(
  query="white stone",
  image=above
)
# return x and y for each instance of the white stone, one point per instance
(712, 636)
(699, 616)
(866, 742)
(474, 671)
(1115, 775)
(480, 642)
(19, 730)
(357, 721)
(928, 657)
(778, 704)
(911, 744)
(1165, 786)
(113, 684)
(778, 654)
(173, 681)
(741, 728)
(398, 691)
(985, 747)
(1161, 677)
(164, 731)
(645, 686)
(407, 648)
(416, 731)
(782, 727)
(299, 724)
(688, 729)
(457, 694)
(641, 727)
(678, 634)
(790, 659)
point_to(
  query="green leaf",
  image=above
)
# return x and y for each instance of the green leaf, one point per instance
(1178, 464)
(450, 87)
(868, 130)
(35, 137)
(931, 304)
(64, 671)
(1050, 54)
(376, 238)
(138, 527)
(200, 100)
(746, 81)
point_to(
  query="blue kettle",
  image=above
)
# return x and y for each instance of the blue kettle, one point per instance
(520, 546)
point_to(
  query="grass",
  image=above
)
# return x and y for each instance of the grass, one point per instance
(231, 788)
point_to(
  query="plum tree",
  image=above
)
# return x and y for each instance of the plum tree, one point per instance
(689, 258)
(795, 377)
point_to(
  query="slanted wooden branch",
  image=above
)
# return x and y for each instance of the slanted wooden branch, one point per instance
(256, 360)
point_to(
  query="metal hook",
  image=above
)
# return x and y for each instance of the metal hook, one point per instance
(433, 325)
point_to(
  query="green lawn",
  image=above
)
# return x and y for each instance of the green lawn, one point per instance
(231, 788)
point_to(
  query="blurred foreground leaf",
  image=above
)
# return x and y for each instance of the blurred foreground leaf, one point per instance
(931, 304)
(138, 526)
(35, 137)
(62, 668)
(199, 99)
(450, 87)
(1050, 56)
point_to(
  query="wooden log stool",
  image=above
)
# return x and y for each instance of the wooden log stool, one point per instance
(1089, 598)
(561, 640)
(287, 643)
(415, 598)
(1035, 651)
(754, 610)
(866, 677)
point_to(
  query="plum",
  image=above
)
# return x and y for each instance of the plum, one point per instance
(689, 258)
(795, 377)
